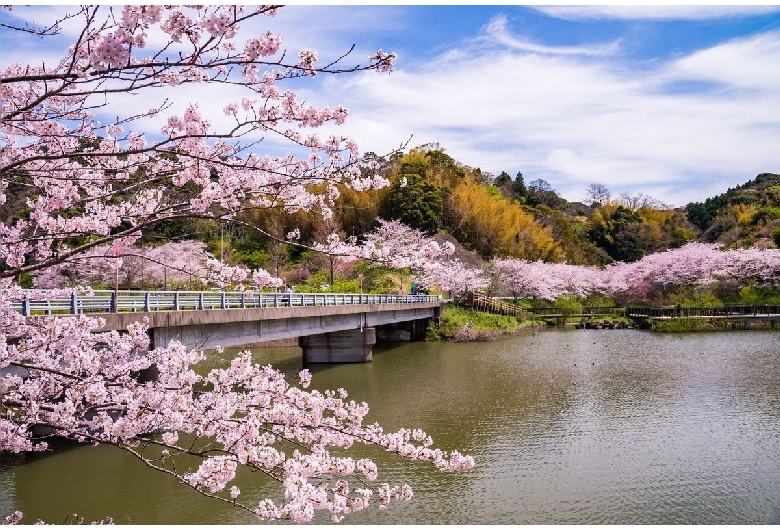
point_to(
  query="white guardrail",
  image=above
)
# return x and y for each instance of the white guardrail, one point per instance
(115, 301)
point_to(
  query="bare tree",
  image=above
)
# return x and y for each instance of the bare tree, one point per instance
(639, 201)
(597, 194)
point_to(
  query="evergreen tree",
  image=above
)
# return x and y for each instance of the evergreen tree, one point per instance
(519, 190)
(418, 204)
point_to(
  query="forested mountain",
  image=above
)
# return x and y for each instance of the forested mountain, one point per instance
(505, 216)
(485, 216)
(747, 215)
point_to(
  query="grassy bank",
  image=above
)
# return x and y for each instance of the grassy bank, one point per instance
(464, 324)
(679, 325)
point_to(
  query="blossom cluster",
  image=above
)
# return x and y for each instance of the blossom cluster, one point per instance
(86, 390)
(74, 167)
(692, 264)
(396, 245)
(93, 188)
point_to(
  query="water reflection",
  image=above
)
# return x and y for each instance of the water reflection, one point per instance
(579, 427)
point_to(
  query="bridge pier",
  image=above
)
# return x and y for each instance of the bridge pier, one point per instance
(408, 331)
(349, 346)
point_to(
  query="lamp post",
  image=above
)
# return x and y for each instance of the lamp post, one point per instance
(117, 251)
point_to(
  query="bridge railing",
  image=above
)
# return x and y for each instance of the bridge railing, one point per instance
(134, 301)
(704, 312)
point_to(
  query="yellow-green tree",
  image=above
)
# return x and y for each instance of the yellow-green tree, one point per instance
(493, 226)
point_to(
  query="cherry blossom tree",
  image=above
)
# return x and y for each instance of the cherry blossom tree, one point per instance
(453, 277)
(547, 281)
(72, 166)
(91, 181)
(221, 275)
(692, 265)
(399, 246)
(752, 264)
(175, 262)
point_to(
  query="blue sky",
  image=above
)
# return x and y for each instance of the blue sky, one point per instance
(678, 103)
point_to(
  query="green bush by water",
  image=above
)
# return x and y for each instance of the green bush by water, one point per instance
(679, 325)
(459, 323)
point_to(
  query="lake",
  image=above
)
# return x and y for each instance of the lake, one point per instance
(566, 427)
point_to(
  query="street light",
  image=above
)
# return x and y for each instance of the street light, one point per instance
(117, 251)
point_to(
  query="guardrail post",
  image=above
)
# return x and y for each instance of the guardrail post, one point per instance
(176, 301)
(146, 302)
(223, 301)
(73, 304)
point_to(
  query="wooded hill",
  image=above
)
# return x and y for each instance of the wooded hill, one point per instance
(499, 216)
(487, 216)
(744, 216)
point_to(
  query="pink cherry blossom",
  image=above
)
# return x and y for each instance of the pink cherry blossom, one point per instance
(94, 187)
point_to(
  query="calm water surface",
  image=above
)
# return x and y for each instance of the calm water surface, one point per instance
(566, 427)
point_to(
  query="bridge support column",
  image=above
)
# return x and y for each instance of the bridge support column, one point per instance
(350, 346)
(411, 330)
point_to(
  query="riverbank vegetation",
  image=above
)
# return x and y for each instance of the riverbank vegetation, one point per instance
(682, 325)
(465, 324)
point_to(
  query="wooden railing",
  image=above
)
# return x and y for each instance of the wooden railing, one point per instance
(116, 301)
(590, 312)
(726, 311)
(481, 302)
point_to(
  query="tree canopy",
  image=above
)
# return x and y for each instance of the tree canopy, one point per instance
(97, 174)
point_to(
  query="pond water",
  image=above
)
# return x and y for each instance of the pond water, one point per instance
(566, 427)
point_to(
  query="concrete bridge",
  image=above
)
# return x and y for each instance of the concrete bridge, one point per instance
(330, 328)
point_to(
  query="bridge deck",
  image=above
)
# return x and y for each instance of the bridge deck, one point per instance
(101, 301)
(210, 319)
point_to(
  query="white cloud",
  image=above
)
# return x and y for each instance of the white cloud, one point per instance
(749, 63)
(496, 31)
(655, 12)
(679, 131)
(573, 121)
